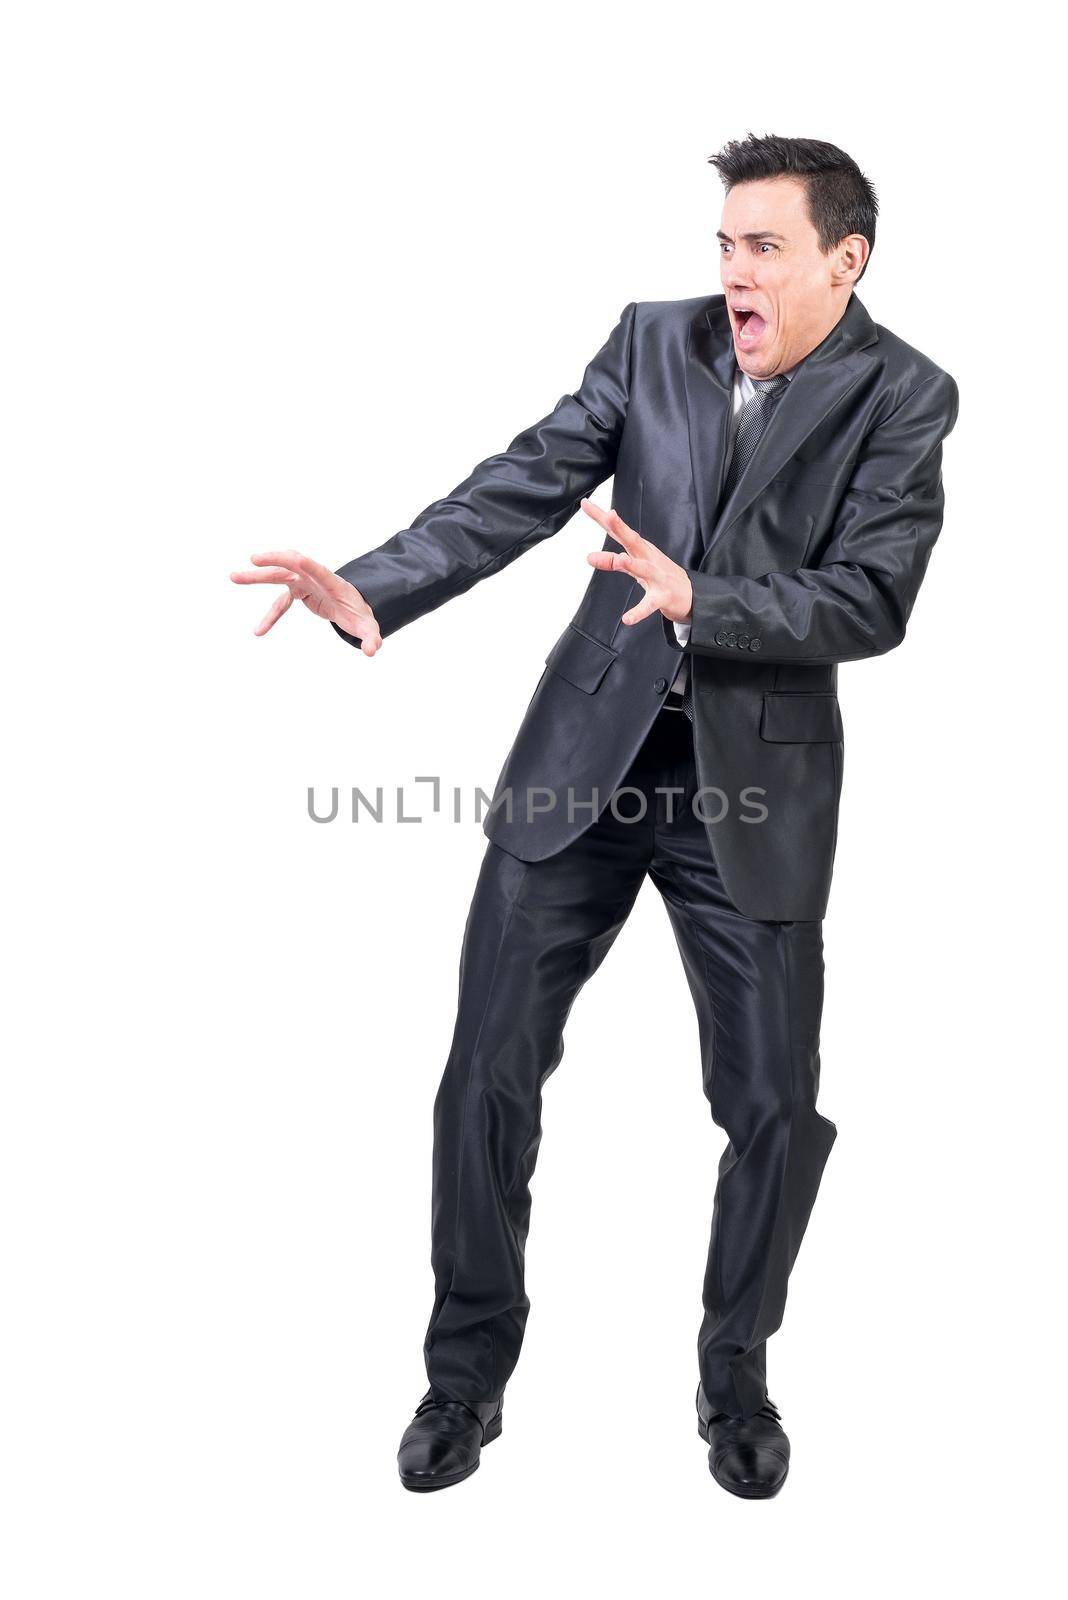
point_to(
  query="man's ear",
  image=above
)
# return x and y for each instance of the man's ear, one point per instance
(849, 258)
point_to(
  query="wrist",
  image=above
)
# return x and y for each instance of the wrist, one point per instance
(681, 610)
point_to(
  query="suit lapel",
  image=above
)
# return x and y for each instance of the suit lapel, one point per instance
(709, 401)
(823, 378)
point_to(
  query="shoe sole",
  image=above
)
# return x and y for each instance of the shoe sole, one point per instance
(420, 1485)
(743, 1494)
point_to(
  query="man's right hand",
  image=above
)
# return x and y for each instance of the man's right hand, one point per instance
(321, 590)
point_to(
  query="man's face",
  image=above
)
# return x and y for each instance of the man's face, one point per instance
(784, 294)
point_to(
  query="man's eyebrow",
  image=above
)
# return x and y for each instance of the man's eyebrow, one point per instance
(763, 233)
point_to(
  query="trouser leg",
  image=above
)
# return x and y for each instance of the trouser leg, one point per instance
(758, 990)
(535, 933)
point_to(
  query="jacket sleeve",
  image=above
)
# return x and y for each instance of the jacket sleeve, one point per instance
(509, 502)
(857, 600)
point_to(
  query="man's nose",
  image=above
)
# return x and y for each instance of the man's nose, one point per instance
(734, 275)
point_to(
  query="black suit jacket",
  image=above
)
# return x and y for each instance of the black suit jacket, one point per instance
(816, 558)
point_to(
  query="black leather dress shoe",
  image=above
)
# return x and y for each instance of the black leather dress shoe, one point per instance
(748, 1456)
(442, 1443)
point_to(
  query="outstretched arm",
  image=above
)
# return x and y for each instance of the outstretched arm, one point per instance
(507, 504)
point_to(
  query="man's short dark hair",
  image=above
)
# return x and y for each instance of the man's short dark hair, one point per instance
(840, 198)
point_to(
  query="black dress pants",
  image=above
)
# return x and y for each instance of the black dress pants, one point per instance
(535, 932)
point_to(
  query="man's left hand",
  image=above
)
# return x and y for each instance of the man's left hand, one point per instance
(667, 585)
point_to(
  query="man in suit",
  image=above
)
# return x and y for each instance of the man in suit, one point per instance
(777, 494)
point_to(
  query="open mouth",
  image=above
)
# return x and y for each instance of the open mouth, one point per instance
(749, 325)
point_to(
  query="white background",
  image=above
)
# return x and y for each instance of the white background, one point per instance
(281, 274)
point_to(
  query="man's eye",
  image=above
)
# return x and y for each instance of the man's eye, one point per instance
(767, 247)
(725, 249)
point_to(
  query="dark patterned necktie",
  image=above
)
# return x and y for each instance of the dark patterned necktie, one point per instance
(753, 418)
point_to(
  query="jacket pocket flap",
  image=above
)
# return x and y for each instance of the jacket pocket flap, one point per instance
(798, 718)
(581, 660)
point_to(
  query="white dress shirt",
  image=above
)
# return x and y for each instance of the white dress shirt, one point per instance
(743, 390)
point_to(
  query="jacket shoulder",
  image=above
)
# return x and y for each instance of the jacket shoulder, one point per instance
(669, 314)
(906, 370)
(903, 362)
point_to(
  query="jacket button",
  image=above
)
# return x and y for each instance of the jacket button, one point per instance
(731, 639)
(660, 685)
(743, 641)
(755, 644)
(720, 638)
